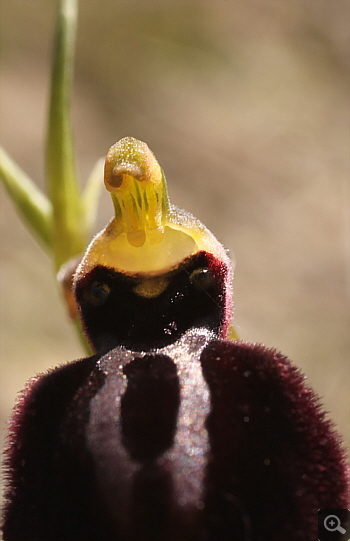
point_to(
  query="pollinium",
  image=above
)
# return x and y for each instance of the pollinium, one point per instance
(170, 431)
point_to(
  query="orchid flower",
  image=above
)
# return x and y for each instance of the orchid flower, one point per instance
(173, 429)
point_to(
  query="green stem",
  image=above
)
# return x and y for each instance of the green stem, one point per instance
(69, 230)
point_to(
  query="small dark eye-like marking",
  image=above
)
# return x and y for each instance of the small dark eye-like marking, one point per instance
(98, 293)
(202, 279)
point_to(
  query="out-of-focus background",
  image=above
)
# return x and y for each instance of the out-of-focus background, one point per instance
(246, 106)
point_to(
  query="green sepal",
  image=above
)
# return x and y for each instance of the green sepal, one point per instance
(28, 199)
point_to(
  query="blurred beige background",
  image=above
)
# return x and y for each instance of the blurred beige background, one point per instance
(246, 106)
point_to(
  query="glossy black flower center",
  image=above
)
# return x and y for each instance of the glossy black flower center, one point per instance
(144, 312)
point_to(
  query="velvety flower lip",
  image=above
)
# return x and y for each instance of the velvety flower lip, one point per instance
(213, 439)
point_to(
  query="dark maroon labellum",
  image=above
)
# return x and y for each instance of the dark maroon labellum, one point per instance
(202, 440)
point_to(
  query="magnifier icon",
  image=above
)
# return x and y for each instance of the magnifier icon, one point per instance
(332, 524)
